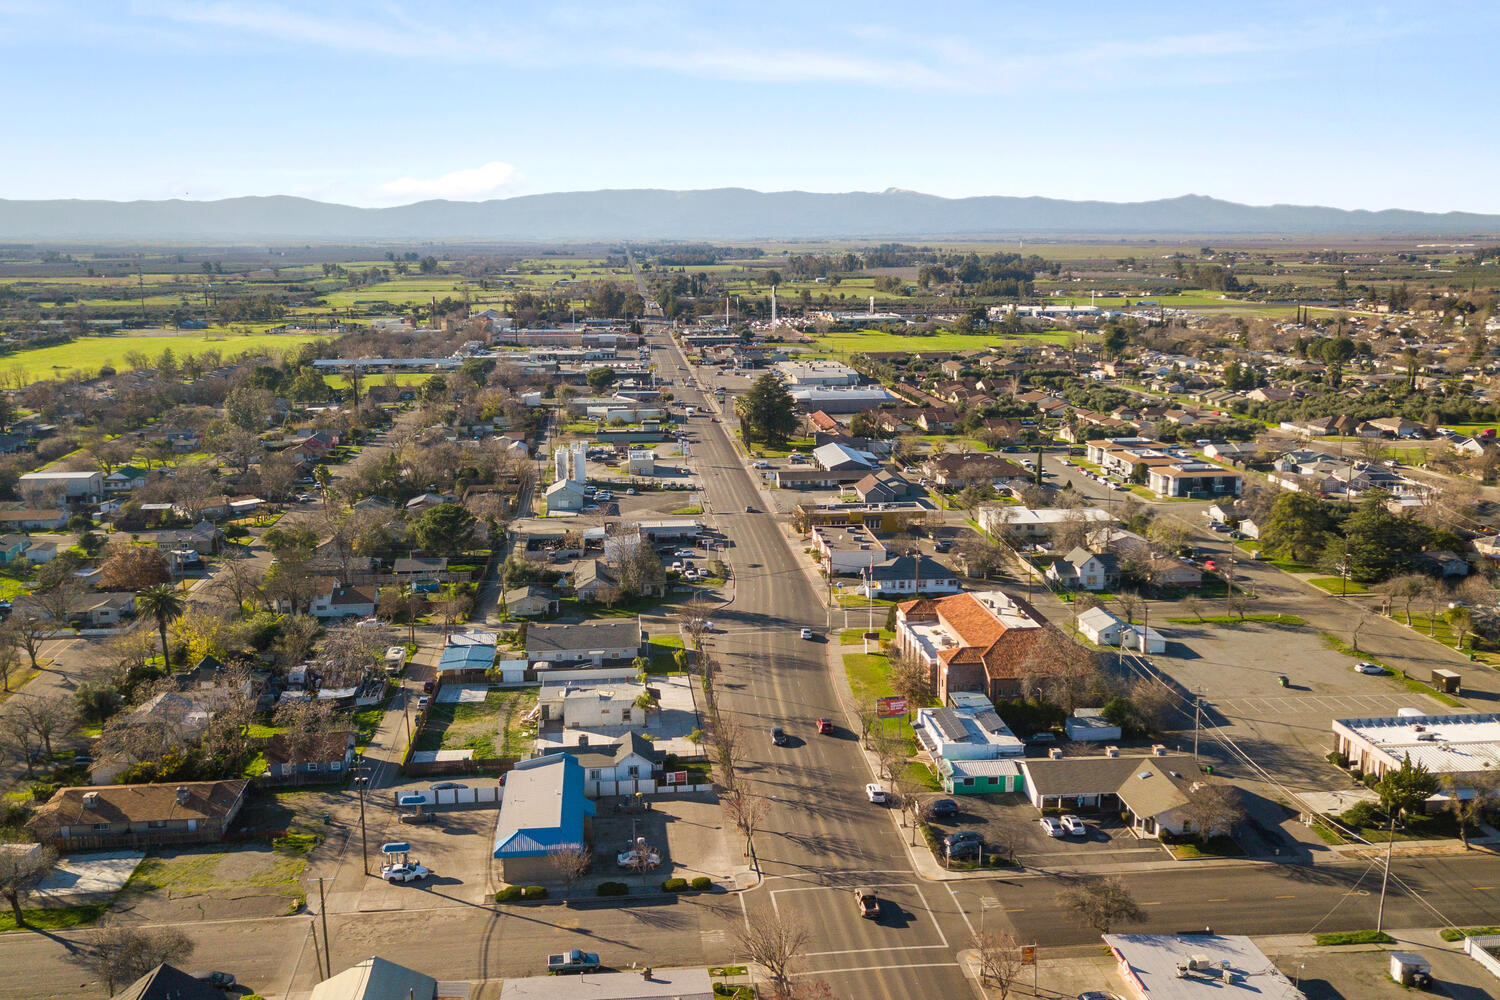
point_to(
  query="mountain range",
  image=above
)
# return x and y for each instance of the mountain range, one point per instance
(720, 213)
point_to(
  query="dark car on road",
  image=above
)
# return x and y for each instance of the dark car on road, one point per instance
(778, 736)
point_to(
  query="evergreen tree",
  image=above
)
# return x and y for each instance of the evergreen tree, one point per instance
(767, 412)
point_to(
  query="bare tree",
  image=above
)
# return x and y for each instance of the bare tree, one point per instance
(911, 679)
(306, 722)
(999, 956)
(59, 602)
(774, 941)
(1130, 605)
(890, 752)
(120, 954)
(1213, 808)
(19, 745)
(1101, 902)
(725, 743)
(1406, 589)
(1466, 811)
(44, 718)
(21, 871)
(571, 863)
(10, 659)
(747, 811)
(28, 629)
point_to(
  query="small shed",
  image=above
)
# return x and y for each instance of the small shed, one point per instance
(1446, 681)
(1087, 725)
(1410, 969)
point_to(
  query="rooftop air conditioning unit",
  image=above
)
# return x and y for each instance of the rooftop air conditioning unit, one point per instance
(90, 800)
(1158, 750)
(1055, 754)
(1111, 751)
(183, 794)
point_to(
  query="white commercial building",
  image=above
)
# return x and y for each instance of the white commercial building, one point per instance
(1447, 745)
(67, 485)
(806, 374)
(1197, 967)
(1034, 524)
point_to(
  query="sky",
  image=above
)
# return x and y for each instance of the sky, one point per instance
(384, 102)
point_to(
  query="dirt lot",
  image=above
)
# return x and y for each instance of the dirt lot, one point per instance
(251, 880)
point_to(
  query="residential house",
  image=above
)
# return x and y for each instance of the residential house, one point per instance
(820, 421)
(18, 517)
(596, 642)
(590, 699)
(908, 576)
(326, 757)
(545, 809)
(13, 547)
(1026, 524)
(625, 769)
(41, 551)
(124, 479)
(420, 569)
(598, 580)
(1100, 627)
(1081, 569)
(971, 641)
(955, 471)
(165, 982)
(378, 979)
(426, 501)
(530, 601)
(344, 602)
(1193, 479)
(835, 457)
(466, 661)
(1397, 427)
(136, 817)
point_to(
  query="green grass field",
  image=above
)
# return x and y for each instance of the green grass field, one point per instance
(89, 354)
(843, 344)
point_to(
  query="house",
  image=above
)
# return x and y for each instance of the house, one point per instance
(641, 462)
(882, 517)
(41, 551)
(1150, 792)
(166, 982)
(820, 421)
(465, 660)
(597, 642)
(1088, 725)
(415, 569)
(1100, 627)
(1081, 569)
(971, 641)
(21, 518)
(344, 602)
(108, 817)
(1232, 451)
(377, 979)
(545, 809)
(124, 479)
(908, 576)
(105, 610)
(966, 729)
(529, 601)
(1034, 525)
(73, 487)
(324, 758)
(1197, 967)
(426, 501)
(847, 549)
(625, 769)
(955, 471)
(1193, 479)
(13, 547)
(884, 486)
(1249, 527)
(597, 698)
(1397, 427)
(202, 539)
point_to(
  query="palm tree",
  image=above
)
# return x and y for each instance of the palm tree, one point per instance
(164, 603)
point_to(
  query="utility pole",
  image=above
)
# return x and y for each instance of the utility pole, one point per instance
(323, 915)
(1197, 716)
(1386, 877)
(362, 779)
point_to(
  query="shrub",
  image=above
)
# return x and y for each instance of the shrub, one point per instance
(613, 888)
(1359, 815)
(702, 882)
(674, 885)
(509, 894)
(534, 892)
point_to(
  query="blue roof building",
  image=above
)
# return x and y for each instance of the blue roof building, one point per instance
(544, 810)
(457, 660)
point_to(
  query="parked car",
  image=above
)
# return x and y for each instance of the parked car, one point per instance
(1366, 667)
(1074, 826)
(869, 903)
(807, 633)
(219, 979)
(445, 785)
(1051, 826)
(423, 701)
(573, 961)
(1098, 995)
(825, 727)
(749, 509)
(778, 736)
(962, 842)
(1042, 737)
(405, 872)
(876, 794)
(942, 808)
(762, 464)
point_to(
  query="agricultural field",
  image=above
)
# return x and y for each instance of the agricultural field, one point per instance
(89, 354)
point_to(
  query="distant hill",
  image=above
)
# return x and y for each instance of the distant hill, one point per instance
(722, 213)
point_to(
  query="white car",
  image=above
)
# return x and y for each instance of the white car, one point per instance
(1370, 668)
(807, 633)
(404, 873)
(685, 553)
(1051, 826)
(876, 794)
(762, 464)
(1074, 826)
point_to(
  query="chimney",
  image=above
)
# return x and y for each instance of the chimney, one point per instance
(183, 794)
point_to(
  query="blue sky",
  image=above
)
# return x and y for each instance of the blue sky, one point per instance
(377, 103)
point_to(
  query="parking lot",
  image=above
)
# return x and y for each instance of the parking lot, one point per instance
(1010, 824)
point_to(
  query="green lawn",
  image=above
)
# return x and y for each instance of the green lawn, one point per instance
(662, 652)
(1338, 585)
(869, 676)
(1353, 937)
(53, 918)
(491, 728)
(878, 341)
(855, 636)
(88, 354)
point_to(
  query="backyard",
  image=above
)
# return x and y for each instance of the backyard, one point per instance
(493, 727)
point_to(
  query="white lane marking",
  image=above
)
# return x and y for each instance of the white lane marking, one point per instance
(863, 951)
(877, 968)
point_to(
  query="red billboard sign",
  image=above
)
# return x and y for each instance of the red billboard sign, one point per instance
(890, 708)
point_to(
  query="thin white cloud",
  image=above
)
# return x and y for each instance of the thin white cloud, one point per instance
(492, 180)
